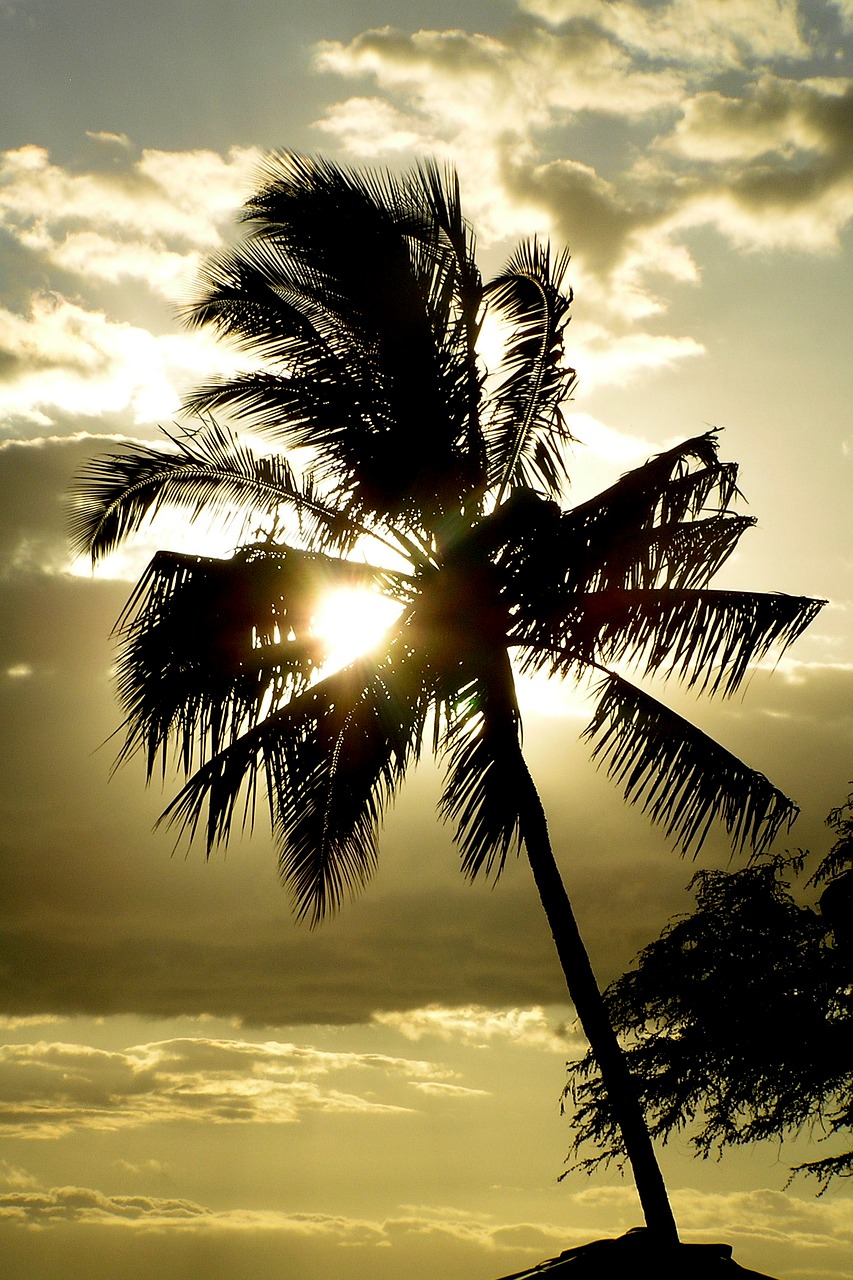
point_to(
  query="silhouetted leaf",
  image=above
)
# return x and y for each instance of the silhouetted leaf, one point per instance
(678, 775)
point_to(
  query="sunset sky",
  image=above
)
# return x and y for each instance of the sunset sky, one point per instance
(194, 1087)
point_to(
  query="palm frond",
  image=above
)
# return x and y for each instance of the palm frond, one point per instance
(373, 732)
(444, 209)
(524, 427)
(332, 759)
(208, 646)
(675, 556)
(679, 483)
(380, 282)
(301, 411)
(664, 525)
(192, 673)
(249, 296)
(707, 639)
(209, 799)
(679, 776)
(348, 284)
(484, 767)
(681, 555)
(205, 473)
(462, 316)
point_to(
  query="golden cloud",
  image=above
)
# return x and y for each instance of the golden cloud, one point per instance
(50, 1089)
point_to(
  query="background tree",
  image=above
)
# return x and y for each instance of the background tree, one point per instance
(740, 1016)
(437, 482)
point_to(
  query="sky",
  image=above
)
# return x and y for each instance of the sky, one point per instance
(193, 1085)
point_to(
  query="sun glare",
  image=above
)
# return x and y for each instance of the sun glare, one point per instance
(350, 621)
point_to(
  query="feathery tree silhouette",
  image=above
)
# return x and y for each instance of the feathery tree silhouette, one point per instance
(359, 298)
(739, 1017)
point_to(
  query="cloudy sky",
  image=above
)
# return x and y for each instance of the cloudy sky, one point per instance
(192, 1085)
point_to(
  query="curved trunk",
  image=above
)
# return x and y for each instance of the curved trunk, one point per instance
(592, 1013)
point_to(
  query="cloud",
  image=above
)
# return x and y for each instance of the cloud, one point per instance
(477, 1229)
(459, 78)
(160, 1169)
(716, 34)
(605, 359)
(69, 347)
(36, 1020)
(51, 1089)
(25, 1204)
(13, 1178)
(619, 449)
(484, 101)
(84, 1205)
(63, 356)
(845, 9)
(439, 1089)
(35, 478)
(475, 1025)
(812, 1236)
(772, 116)
(810, 694)
(647, 145)
(773, 167)
(88, 1207)
(144, 217)
(769, 1216)
(378, 125)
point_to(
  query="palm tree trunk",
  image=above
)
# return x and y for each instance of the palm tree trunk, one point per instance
(592, 1013)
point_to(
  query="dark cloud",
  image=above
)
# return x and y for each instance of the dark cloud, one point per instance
(35, 478)
(771, 115)
(23, 270)
(590, 214)
(99, 918)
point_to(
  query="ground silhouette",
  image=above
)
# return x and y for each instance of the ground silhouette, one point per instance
(639, 1254)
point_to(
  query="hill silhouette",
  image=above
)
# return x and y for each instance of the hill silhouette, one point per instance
(640, 1253)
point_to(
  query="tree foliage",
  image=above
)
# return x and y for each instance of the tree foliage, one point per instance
(738, 1020)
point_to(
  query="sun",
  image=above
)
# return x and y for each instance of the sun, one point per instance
(350, 621)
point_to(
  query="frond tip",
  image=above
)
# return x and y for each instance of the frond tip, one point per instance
(524, 425)
(206, 473)
(681, 777)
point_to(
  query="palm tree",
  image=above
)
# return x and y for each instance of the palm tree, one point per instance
(438, 483)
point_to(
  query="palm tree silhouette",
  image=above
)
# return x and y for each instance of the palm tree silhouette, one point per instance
(436, 482)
